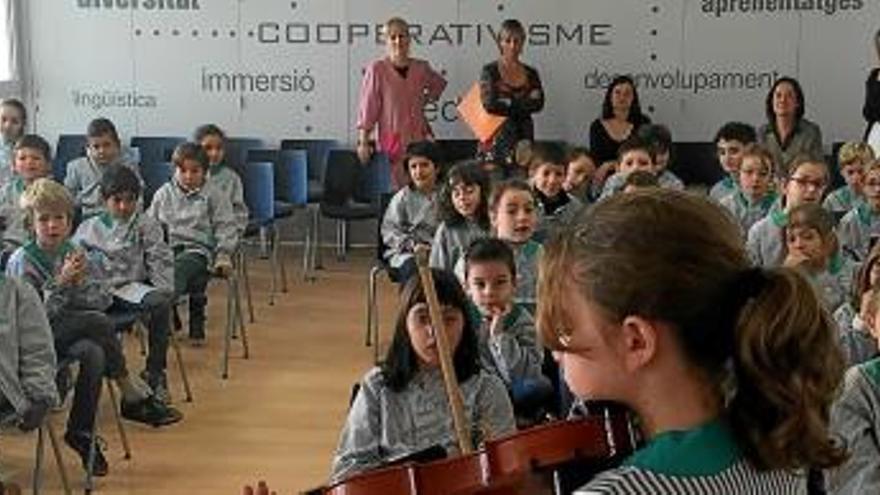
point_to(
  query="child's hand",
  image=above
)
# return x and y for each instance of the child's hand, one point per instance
(223, 265)
(73, 269)
(33, 417)
(496, 318)
(262, 489)
(604, 171)
(795, 259)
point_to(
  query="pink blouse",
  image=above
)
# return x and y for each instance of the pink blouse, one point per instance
(395, 105)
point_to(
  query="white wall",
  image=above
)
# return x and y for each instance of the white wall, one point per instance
(152, 65)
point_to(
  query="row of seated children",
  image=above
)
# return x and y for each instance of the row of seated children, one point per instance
(116, 246)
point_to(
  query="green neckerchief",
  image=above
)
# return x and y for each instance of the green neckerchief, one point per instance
(216, 169)
(109, 222)
(765, 202)
(530, 248)
(729, 183)
(871, 369)
(18, 184)
(835, 264)
(778, 215)
(863, 211)
(846, 194)
(45, 262)
(704, 450)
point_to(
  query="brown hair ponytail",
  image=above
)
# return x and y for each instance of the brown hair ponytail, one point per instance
(787, 367)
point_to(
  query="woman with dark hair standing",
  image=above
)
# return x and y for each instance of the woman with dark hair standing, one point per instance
(393, 94)
(512, 89)
(621, 117)
(871, 109)
(787, 133)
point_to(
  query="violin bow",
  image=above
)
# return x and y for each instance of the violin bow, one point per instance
(453, 394)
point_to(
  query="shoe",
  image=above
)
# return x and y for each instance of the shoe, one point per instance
(150, 411)
(82, 443)
(159, 383)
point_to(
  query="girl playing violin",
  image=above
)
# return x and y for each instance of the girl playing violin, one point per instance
(401, 407)
(649, 300)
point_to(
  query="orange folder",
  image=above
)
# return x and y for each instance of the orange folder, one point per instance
(483, 124)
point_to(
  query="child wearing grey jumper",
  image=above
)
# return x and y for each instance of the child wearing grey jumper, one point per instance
(83, 177)
(31, 160)
(411, 217)
(201, 228)
(464, 215)
(213, 140)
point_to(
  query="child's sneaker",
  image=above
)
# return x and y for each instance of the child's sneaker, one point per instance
(82, 443)
(158, 382)
(150, 411)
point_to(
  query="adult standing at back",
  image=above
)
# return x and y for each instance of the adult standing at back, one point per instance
(787, 133)
(871, 108)
(393, 94)
(621, 117)
(511, 89)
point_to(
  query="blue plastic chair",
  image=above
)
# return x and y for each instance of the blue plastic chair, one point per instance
(155, 175)
(69, 147)
(155, 149)
(341, 183)
(237, 149)
(291, 186)
(259, 193)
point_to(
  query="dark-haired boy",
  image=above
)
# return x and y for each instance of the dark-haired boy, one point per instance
(730, 141)
(135, 262)
(83, 176)
(201, 226)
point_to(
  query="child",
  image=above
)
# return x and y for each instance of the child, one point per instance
(660, 140)
(730, 141)
(855, 339)
(853, 157)
(860, 228)
(31, 162)
(83, 177)
(201, 229)
(213, 140)
(651, 301)
(410, 218)
(508, 345)
(640, 179)
(75, 303)
(546, 175)
(754, 196)
(27, 379)
(855, 420)
(464, 216)
(130, 251)
(634, 154)
(804, 182)
(811, 246)
(401, 407)
(13, 118)
(579, 174)
(513, 215)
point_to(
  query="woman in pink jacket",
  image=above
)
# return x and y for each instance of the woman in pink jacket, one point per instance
(393, 93)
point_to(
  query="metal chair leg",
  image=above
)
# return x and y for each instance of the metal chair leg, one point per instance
(317, 261)
(308, 276)
(118, 417)
(227, 337)
(175, 346)
(273, 260)
(239, 319)
(243, 268)
(38, 463)
(279, 260)
(59, 460)
(371, 296)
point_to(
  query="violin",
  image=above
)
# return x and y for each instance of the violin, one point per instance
(569, 452)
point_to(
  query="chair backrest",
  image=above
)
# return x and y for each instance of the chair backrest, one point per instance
(68, 147)
(696, 163)
(259, 191)
(375, 178)
(341, 177)
(291, 176)
(455, 150)
(237, 149)
(155, 175)
(155, 149)
(318, 151)
(269, 155)
(381, 247)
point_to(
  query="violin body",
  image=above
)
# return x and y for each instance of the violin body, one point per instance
(510, 465)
